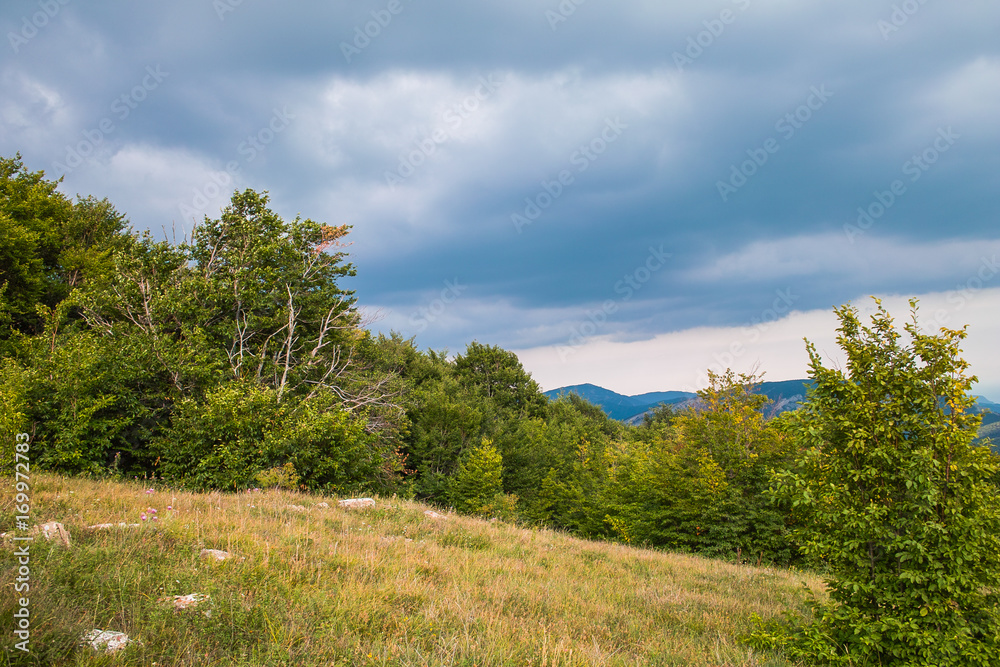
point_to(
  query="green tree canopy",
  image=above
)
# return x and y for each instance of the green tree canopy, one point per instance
(498, 375)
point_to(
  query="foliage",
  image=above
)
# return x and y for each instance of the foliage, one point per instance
(498, 375)
(559, 471)
(279, 477)
(117, 346)
(666, 496)
(238, 431)
(32, 215)
(478, 484)
(13, 409)
(731, 424)
(79, 401)
(896, 503)
(446, 422)
(694, 480)
(48, 246)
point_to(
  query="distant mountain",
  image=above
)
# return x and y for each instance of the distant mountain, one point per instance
(991, 431)
(619, 406)
(986, 404)
(786, 395)
(657, 397)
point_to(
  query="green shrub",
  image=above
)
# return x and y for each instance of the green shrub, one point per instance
(479, 480)
(13, 410)
(897, 503)
(219, 442)
(77, 402)
(240, 430)
(279, 477)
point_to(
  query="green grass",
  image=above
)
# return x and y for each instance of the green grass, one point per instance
(388, 586)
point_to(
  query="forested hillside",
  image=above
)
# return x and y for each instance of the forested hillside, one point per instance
(236, 359)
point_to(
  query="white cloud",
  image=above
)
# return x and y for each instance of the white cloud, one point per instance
(150, 183)
(837, 257)
(31, 110)
(968, 97)
(679, 360)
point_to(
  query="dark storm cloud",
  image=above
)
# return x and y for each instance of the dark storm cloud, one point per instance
(751, 137)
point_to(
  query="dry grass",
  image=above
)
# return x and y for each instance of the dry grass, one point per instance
(388, 586)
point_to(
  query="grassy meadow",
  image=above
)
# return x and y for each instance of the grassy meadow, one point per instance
(389, 586)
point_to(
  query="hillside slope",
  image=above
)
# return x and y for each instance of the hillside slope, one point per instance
(390, 586)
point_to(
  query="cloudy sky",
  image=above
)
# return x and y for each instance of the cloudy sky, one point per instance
(624, 193)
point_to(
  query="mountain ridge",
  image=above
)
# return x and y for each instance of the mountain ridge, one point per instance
(627, 408)
(786, 394)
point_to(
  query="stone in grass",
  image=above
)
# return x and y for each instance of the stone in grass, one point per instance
(53, 531)
(323, 505)
(296, 508)
(434, 515)
(357, 503)
(186, 601)
(106, 526)
(108, 641)
(215, 554)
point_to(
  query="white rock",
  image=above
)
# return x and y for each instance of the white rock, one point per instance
(323, 505)
(215, 554)
(357, 503)
(434, 515)
(107, 640)
(296, 508)
(106, 526)
(186, 601)
(53, 530)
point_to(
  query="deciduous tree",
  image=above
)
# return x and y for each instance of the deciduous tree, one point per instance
(897, 502)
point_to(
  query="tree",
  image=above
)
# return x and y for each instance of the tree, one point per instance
(896, 502)
(697, 482)
(731, 424)
(478, 480)
(447, 421)
(498, 375)
(48, 246)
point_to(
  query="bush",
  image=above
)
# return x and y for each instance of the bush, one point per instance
(13, 409)
(279, 477)
(479, 480)
(241, 430)
(897, 503)
(75, 396)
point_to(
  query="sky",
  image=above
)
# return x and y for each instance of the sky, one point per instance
(626, 193)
